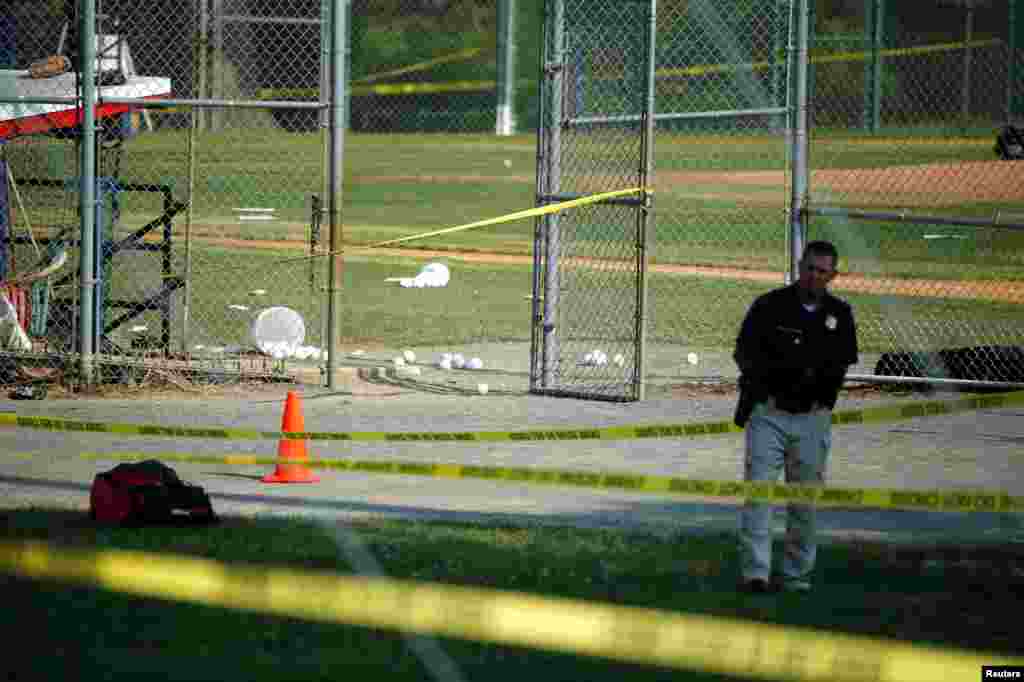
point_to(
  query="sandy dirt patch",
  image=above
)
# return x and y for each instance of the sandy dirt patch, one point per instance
(924, 185)
(1003, 291)
(445, 179)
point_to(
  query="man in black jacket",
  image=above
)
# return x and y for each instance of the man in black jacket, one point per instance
(793, 350)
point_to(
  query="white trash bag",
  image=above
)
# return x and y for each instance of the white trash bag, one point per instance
(12, 336)
(278, 332)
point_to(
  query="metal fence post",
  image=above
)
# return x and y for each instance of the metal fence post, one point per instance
(555, 68)
(505, 124)
(875, 28)
(218, 62)
(965, 96)
(1014, 89)
(799, 141)
(779, 64)
(644, 216)
(87, 194)
(202, 76)
(336, 132)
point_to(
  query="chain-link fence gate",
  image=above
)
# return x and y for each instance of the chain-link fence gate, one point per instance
(777, 123)
(707, 111)
(215, 198)
(596, 107)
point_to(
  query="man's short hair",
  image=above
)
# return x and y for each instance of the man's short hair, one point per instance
(822, 248)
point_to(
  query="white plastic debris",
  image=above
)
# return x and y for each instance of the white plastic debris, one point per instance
(432, 275)
(358, 352)
(398, 361)
(619, 360)
(475, 363)
(238, 306)
(692, 358)
(12, 335)
(458, 362)
(482, 389)
(258, 292)
(445, 361)
(409, 356)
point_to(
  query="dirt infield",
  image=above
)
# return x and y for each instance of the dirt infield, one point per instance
(446, 179)
(923, 185)
(1010, 292)
(1002, 291)
(913, 186)
(918, 185)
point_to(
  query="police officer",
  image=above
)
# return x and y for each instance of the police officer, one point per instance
(794, 348)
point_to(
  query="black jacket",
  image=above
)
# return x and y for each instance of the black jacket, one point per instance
(798, 357)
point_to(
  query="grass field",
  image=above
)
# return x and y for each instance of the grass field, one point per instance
(486, 302)
(952, 597)
(399, 185)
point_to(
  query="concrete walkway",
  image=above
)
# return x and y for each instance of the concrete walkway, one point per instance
(978, 450)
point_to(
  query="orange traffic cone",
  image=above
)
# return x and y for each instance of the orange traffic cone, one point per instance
(291, 453)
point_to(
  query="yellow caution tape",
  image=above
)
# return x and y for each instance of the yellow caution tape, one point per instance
(635, 635)
(518, 215)
(861, 498)
(381, 89)
(871, 415)
(423, 88)
(902, 52)
(708, 69)
(388, 89)
(460, 56)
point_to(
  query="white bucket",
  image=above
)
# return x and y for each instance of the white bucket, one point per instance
(278, 331)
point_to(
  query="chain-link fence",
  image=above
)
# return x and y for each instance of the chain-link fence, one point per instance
(899, 170)
(204, 212)
(906, 181)
(215, 209)
(213, 206)
(436, 65)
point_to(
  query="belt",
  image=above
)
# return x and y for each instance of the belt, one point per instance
(773, 403)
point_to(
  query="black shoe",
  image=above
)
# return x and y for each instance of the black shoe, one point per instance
(756, 586)
(28, 393)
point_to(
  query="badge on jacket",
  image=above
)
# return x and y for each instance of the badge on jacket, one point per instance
(831, 322)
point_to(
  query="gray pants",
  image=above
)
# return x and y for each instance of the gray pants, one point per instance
(799, 444)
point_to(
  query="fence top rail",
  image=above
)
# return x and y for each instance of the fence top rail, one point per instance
(914, 219)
